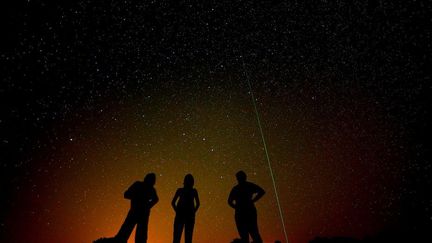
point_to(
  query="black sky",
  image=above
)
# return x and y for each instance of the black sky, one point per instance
(60, 58)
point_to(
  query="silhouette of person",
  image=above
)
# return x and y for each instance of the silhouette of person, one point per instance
(242, 199)
(143, 197)
(185, 204)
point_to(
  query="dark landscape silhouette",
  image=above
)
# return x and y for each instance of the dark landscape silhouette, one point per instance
(107, 240)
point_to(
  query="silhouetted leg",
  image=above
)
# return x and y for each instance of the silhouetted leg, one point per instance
(189, 226)
(241, 223)
(141, 230)
(127, 227)
(253, 227)
(178, 228)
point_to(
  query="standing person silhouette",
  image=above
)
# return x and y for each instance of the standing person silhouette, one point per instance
(143, 197)
(242, 199)
(185, 208)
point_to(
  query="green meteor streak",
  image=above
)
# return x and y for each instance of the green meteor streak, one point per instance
(266, 152)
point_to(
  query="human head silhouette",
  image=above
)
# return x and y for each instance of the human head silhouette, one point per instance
(150, 179)
(188, 181)
(241, 176)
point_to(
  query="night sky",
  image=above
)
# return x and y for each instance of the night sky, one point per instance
(95, 94)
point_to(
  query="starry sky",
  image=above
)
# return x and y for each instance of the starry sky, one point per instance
(95, 94)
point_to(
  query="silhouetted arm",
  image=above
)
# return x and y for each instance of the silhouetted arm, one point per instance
(197, 201)
(174, 200)
(259, 193)
(154, 199)
(129, 193)
(231, 199)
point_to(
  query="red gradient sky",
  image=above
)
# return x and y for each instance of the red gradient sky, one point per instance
(332, 157)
